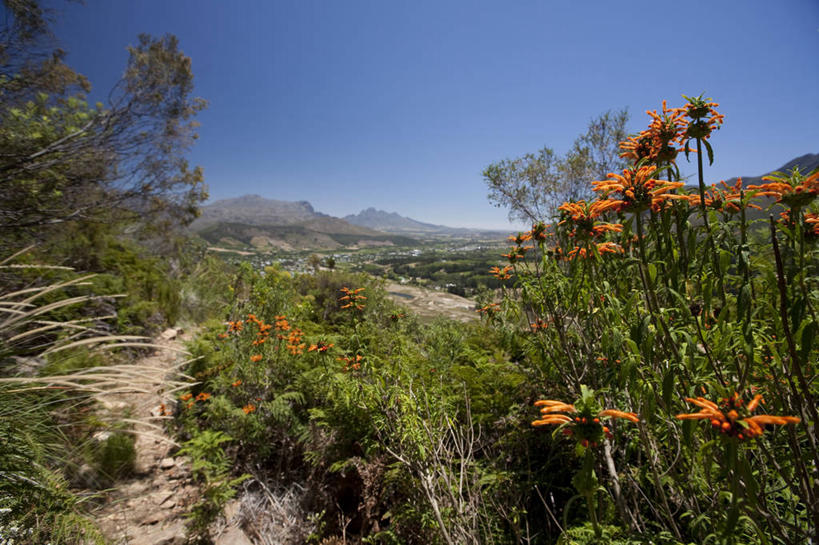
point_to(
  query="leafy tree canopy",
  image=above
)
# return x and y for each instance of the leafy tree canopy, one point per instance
(63, 159)
(534, 185)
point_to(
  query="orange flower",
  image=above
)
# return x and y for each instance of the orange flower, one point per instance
(636, 190)
(202, 396)
(657, 142)
(236, 383)
(256, 357)
(728, 199)
(734, 420)
(794, 190)
(489, 309)
(516, 253)
(351, 364)
(320, 347)
(704, 118)
(186, 397)
(249, 408)
(585, 427)
(355, 300)
(501, 274)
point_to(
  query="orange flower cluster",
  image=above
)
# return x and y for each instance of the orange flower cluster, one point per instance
(734, 420)
(353, 298)
(352, 363)
(812, 221)
(489, 309)
(282, 325)
(596, 249)
(582, 217)
(256, 358)
(636, 190)
(586, 428)
(263, 332)
(202, 396)
(294, 344)
(704, 118)
(657, 142)
(236, 383)
(516, 253)
(501, 274)
(728, 198)
(794, 190)
(235, 327)
(249, 408)
(320, 347)
(538, 324)
(668, 132)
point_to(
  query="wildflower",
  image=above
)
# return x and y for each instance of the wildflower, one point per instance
(732, 419)
(395, 316)
(202, 396)
(794, 190)
(353, 298)
(281, 324)
(664, 131)
(595, 249)
(704, 119)
(163, 410)
(727, 199)
(256, 357)
(249, 408)
(489, 309)
(538, 324)
(520, 238)
(235, 327)
(584, 424)
(582, 216)
(501, 274)
(320, 347)
(351, 363)
(636, 190)
(186, 397)
(516, 253)
(657, 142)
(236, 383)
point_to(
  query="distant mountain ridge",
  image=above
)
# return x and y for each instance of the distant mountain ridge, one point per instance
(392, 222)
(806, 163)
(252, 220)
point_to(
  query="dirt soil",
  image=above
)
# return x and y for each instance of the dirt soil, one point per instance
(432, 304)
(149, 508)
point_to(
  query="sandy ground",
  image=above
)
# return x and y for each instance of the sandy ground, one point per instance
(148, 509)
(432, 304)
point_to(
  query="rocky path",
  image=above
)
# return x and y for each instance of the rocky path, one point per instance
(149, 508)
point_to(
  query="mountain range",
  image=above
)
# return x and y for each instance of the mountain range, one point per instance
(265, 224)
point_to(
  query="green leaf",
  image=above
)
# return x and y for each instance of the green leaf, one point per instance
(668, 386)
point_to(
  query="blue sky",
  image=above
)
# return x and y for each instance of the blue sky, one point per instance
(401, 105)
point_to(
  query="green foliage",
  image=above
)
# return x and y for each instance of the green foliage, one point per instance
(211, 466)
(116, 455)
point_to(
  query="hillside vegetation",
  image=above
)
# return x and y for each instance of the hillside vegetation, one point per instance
(643, 369)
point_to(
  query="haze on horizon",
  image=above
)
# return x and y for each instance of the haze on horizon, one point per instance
(401, 106)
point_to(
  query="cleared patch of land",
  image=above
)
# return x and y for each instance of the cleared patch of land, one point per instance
(432, 304)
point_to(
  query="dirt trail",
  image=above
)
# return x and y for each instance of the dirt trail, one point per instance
(148, 508)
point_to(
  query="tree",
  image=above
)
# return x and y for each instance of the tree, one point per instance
(62, 159)
(534, 185)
